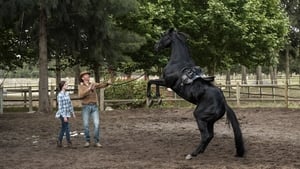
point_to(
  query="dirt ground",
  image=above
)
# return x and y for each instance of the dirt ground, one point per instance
(152, 138)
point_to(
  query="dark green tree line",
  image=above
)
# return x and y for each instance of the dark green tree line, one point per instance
(120, 35)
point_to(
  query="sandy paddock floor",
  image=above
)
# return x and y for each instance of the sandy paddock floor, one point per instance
(152, 138)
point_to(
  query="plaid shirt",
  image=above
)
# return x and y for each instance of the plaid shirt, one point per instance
(65, 107)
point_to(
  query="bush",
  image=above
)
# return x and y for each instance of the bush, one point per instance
(130, 90)
(124, 90)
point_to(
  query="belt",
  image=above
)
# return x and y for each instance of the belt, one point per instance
(89, 103)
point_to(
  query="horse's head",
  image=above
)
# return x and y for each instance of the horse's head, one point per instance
(165, 40)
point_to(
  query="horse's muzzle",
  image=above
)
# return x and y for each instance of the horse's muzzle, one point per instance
(156, 47)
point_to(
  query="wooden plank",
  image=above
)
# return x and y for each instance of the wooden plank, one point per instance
(237, 93)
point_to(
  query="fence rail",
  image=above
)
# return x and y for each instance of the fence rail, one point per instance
(237, 93)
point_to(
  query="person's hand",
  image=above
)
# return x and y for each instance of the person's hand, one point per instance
(92, 87)
(65, 119)
(74, 115)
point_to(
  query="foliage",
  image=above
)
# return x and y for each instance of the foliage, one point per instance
(152, 18)
(10, 59)
(229, 32)
(121, 34)
(131, 90)
(16, 45)
(103, 40)
(222, 33)
(292, 7)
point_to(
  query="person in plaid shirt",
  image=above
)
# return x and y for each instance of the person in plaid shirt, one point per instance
(65, 110)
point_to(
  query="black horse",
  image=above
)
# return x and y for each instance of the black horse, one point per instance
(187, 80)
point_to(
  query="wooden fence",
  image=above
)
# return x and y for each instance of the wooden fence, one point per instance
(238, 93)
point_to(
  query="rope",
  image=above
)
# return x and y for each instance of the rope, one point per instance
(118, 84)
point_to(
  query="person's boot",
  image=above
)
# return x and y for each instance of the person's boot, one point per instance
(58, 143)
(69, 144)
(87, 144)
(98, 144)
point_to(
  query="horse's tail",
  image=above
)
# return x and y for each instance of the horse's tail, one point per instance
(238, 138)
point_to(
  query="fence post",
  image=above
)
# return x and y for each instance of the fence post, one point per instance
(30, 98)
(1, 100)
(101, 99)
(238, 94)
(52, 97)
(286, 94)
(25, 98)
(229, 92)
(273, 93)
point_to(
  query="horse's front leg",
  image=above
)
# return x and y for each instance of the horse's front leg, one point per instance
(157, 94)
(157, 82)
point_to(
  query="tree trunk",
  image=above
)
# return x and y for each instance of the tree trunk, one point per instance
(57, 76)
(211, 69)
(275, 74)
(76, 53)
(228, 82)
(76, 79)
(287, 65)
(44, 101)
(112, 73)
(97, 79)
(297, 55)
(259, 75)
(57, 71)
(146, 76)
(244, 75)
(97, 73)
(272, 75)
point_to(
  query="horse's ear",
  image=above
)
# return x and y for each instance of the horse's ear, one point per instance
(171, 30)
(187, 36)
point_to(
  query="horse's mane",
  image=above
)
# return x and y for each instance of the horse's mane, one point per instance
(182, 36)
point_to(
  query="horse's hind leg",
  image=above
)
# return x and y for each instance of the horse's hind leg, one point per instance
(207, 133)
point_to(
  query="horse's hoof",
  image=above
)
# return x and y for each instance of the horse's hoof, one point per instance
(188, 157)
(159, 101)
(149, 102)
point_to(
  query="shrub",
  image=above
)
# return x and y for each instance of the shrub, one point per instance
(130, 90)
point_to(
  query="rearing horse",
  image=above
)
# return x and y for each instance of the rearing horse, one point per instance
(183, 77)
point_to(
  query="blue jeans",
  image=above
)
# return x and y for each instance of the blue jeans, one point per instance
(64, 129)
(87, 112)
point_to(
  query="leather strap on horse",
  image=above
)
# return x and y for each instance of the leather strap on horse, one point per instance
(189, 74)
